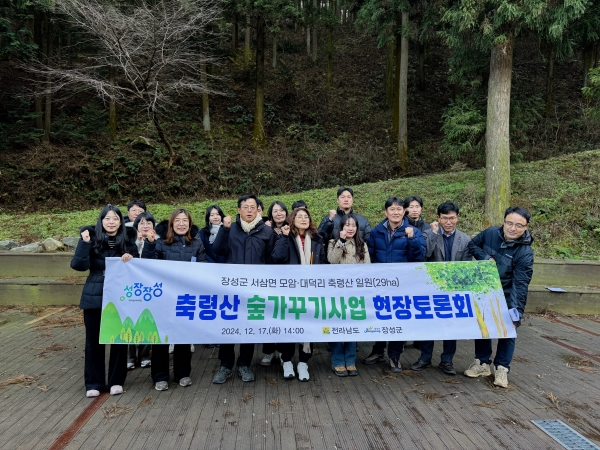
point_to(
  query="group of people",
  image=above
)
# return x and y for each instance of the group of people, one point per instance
(291, 236)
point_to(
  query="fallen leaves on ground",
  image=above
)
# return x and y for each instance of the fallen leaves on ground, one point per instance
(110, 412)
(46, 351)
(25, 380)
(276, 403)
(247, 397)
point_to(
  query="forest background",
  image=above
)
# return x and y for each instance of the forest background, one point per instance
(185, 100)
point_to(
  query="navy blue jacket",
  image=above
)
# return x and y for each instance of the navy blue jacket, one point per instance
(211, 256)
(400, 249)
(513, 259)
(85, 258)
(240, 247)
(179, 250)
(287, 252)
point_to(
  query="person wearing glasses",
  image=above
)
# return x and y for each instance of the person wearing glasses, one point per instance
(509, 247)
(444, 243)
(246, 241)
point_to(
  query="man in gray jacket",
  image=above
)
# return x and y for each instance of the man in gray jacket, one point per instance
(444, 243)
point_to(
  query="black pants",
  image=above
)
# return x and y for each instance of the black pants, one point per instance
(142, 353)
(269, 348)
(289, 348)
(94, 373)
(182, 362)
(395, 348)
(227, 355)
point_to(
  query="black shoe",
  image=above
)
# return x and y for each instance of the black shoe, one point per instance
(374, 358)
(420, 365)
(395, 366)
(447, 367)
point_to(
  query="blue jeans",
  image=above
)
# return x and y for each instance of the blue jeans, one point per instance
(343, 354)
(504, 351)
(426, 348)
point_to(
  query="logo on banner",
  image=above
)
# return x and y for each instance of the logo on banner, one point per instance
(326, 330)
(138, 292)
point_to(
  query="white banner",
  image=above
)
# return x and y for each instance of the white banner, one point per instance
(151, 301)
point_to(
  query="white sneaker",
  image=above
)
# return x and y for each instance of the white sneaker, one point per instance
(145, 363)
(130, 366)
(171, 348)
(478, 370)
(192, 348)
(501, 376)
(267, 359)
(303, 372)
(288, 370)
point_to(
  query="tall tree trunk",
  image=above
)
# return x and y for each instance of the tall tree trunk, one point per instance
(497, 134)
(112, 107)
(390, 62)
(48, 98)
(314, 33)
(596, 56)
(402, 101)
(308, 40)
(258, 135)
(330, 57)
(398, 47)
(549, 78)
(163, 138)
(274, 51)
(38, 40)
(247, 40)
(421, 66)
(234, 40)
(588, 61)
(205, 106)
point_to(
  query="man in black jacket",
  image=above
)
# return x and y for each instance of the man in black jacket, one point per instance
(246, 241)
(330, 225)
(509, 247)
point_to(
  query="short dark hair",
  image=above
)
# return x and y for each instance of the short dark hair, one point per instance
(447, 207)
(345, 188)
(144, 216)
(259, 203)
(243, 198)
(518, 210)
(139, 203)
(393, 201)
(299, 204)
(412, 198)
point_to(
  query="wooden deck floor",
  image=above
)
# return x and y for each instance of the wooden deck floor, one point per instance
(376, 410)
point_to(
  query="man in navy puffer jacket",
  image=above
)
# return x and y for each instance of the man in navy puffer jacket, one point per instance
(394, 241)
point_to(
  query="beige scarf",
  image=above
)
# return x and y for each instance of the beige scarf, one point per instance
(305, 258)
(249, 226)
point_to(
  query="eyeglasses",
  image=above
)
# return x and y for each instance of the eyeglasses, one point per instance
(449, 219)
(518, 226)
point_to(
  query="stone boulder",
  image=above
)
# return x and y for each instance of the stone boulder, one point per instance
(142, 143)
(7, 245)
(34, 247)
(71, 242)
(52, 245)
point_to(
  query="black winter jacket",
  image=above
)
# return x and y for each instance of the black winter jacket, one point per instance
(330, 229)
(211, 256)
(513, 259)
(419, 224)
(287, 252)
(179, 250)
(245, 248)
(86, 259)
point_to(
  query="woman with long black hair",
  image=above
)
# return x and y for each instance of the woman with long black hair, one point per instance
(178, 245)
(214, 221)
(301, 243)
(107, 239)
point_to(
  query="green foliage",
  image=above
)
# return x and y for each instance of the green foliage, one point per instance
(15, 37)
(82, 129)
(465, 276)
(592, 95)
(464, 127)
(16, 127)
(243, 116)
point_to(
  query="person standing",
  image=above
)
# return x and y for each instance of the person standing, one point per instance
(394, 241)
(300, 244)
(349, 248)
(330, 225)
(246, 241)
(509, 247)
(413, 207)
(445, 242)
(178, 245)
(107, 239)
(213, 222)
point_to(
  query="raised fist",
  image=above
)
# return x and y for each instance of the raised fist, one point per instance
(285, 229)
(332, 213)
(85, 235)
(227, 222)
(410, 232)
(435, 227)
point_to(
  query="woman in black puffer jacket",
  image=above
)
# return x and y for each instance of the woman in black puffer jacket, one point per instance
(178, 245)
(107, 239)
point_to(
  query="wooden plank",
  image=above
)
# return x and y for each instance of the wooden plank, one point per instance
(575, 301)
(44, 294)
(37, 265)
